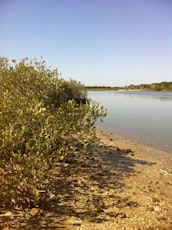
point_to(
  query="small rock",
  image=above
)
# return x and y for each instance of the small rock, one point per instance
(156, 209)
(151, 189)
(151, 209)
(154, 199)
(117, 201)
(122, 215)
(74, 221)
(132, 204)
(52, 196)
(48, 215)
(161, 218)
(128, 151)
(98, 204)
(8, 214)
(110, 152)
(34, 211)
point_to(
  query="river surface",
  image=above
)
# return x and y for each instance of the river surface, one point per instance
(143, 117)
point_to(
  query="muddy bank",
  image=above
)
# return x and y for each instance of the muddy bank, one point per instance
(122, 186)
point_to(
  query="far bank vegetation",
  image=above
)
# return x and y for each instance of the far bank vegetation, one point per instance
(162, 86)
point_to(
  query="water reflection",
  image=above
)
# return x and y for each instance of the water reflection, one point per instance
(142, 94)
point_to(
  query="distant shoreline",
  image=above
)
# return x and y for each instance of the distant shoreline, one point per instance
(162, 86)
(124, 90)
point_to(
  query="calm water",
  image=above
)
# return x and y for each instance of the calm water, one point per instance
(144, 117)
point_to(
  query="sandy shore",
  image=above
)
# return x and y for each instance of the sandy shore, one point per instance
(122, 186)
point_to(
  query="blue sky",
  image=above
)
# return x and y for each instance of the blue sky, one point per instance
(96, 42)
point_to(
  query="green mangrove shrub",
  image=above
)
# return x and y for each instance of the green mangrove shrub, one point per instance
(42, 118)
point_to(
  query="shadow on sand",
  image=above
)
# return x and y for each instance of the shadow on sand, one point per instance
(80, 190)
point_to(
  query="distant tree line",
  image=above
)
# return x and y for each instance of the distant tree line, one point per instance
(103, 88)
(162, 86)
